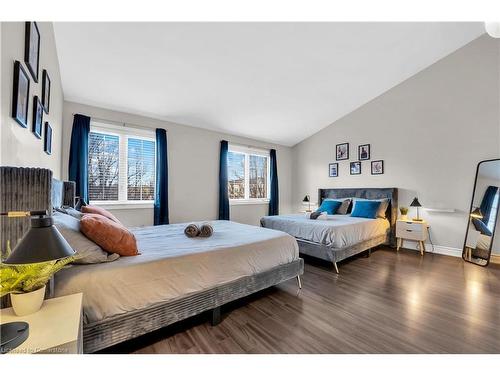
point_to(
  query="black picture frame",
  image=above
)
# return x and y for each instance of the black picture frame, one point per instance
(355, 167)
(46, 91)
(36, 126)
(47, 144)
(377, 170)
(342, 151)
(20, 95)
(364, 152)
(333, 170)
(32, 48)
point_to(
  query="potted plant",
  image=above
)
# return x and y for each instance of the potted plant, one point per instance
(26, 283)
(404, 213)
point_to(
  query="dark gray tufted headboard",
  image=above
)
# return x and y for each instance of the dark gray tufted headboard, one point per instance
(368, 193)
(28, 189)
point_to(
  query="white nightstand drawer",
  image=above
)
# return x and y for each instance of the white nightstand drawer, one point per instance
(410, 234)
(411, 225)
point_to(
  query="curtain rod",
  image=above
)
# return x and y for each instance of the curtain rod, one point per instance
(121, 123)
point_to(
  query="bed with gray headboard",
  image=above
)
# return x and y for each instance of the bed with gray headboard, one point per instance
(297, 224)
(35, 189)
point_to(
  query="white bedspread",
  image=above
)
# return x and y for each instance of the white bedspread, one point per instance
(171, 265)
(336, 231)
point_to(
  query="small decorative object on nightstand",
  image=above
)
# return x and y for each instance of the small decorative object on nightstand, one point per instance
(413, 231)
(54, 329)
(404, 213)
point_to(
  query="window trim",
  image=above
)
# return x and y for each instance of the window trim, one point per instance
(123, 133)
(247, 151)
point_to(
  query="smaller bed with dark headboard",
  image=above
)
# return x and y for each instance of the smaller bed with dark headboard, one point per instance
(339, 236)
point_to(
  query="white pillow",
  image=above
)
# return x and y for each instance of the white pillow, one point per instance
(384, 203)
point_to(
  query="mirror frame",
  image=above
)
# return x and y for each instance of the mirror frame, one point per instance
(468, 218)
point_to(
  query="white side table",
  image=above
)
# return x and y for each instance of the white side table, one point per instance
(413, 231)
(55, 329)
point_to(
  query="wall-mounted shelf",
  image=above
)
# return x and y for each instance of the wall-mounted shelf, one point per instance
(444, 210)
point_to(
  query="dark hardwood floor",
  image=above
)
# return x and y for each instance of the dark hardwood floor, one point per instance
(387, 303)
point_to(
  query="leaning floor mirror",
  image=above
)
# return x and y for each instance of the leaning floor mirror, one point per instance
(480, 240)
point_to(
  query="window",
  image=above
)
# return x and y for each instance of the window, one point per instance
(494, 208)
(248, 174)
(121, 164)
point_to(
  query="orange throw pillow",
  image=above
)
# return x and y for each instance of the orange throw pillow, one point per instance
(100, 211)
(112, 237)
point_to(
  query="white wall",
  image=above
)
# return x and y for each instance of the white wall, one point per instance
(193, 157)
(431, 131)
(19, 146)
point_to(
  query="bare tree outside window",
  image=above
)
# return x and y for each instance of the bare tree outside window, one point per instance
(258, 176)
(103, 166)
(140, 169)
(253, 176)
(236, 175)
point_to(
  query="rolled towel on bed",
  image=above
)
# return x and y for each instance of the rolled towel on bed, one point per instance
(192, 230)
(206, 230)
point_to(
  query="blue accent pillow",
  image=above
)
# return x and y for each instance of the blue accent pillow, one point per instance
(330, 207)
(366, 209)
(481, 227)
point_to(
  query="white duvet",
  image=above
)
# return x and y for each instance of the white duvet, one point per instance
(172, 265)
(337, 231)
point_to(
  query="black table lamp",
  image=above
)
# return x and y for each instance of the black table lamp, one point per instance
(42, 243)
(416, 203)
(307, 200)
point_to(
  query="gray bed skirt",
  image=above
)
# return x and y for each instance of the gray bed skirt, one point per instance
(112, 331)
(336, 255)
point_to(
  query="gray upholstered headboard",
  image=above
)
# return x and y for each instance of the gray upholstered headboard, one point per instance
(28, 189)
(368, 193)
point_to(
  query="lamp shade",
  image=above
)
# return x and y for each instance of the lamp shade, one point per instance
(42, 243)
(306, 199)
(493, 29)
(476, 214)
(415, 203)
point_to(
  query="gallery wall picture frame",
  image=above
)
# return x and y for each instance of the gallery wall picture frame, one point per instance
(364, 152)
(47, 144)
(355, 167)
(377, 167)
(32, 48)
(36, 126)
(20, 95)
(333, 170)
(46, 91)
(342, 151)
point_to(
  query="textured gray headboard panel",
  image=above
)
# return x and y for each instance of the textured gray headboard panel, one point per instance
(29, 189)
(21, 189)
(368, 193)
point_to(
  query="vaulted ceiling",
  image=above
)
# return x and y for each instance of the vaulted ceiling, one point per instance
(279, 82)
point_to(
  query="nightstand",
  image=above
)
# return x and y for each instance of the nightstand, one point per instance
(55, 329)
(413, 231)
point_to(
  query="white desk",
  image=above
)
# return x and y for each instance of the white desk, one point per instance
(56, 328)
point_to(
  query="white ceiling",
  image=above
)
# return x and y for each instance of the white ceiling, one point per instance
(279, 82)
(490, 170)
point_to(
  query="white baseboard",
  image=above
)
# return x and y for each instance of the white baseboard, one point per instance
(443, 250)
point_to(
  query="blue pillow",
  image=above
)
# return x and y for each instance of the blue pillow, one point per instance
(367, 209)
(481, 227)
(329, 206)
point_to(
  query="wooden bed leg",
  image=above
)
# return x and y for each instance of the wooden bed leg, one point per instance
(215, 316)
(336, 268)
(299, 282)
